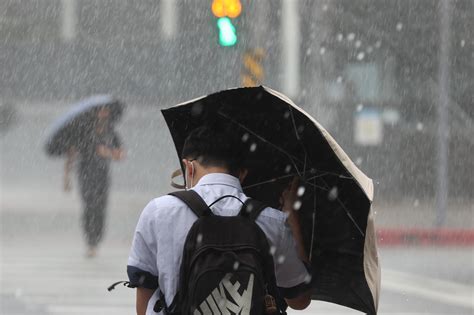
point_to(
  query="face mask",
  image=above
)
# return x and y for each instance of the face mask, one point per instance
(192, 178)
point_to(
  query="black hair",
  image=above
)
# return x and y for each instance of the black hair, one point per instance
(215, 145)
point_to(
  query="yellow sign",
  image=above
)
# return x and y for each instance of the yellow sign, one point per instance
(253, 71)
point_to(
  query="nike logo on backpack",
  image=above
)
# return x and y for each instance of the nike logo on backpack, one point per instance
(218, 301)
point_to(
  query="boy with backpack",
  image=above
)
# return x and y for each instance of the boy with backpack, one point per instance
(213, 250)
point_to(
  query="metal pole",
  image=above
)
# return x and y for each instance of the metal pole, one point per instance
(291, 47)
(442, 189)
(69, 20)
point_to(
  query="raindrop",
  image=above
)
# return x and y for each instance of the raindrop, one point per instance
(419, 126)
(301, 191)
(351, 36)
(300, 128)
(340, 37)
(199, 238)
(339, 79)
(245, 137)
(378, 44)
(463, 43)
(309, 52)
(273, 250)
(322, 51)
(288, 168)
(281, 259)
(307, 278)
(332, 195)
(360, 107)
(370, 49)
(286, 115)
(416, 203)
(236, 265)
(399, 26)
(360, 55)
(297, 205)
(358, 161)
(197, 109)
(358, 43)
(253, 147)
(18, 292)
(325, 7)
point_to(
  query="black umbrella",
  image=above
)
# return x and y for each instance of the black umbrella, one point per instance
(79, 121)
(283, 142)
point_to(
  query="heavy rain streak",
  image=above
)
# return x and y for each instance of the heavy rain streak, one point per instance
(382, 88)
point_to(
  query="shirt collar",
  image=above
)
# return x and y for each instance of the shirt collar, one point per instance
(220, 179)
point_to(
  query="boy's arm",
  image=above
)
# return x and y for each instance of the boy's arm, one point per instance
(289, 198)
(143, 296)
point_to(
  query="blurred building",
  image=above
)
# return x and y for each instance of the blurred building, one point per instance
(367, 69)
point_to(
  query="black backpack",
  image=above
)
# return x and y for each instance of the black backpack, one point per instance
(227, 267)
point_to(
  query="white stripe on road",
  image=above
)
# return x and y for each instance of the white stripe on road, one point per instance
(85, 310)
(64, 282)
(433, 289)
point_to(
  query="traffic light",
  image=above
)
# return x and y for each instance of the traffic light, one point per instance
(230, 8)
(225, 10)
(227, 33)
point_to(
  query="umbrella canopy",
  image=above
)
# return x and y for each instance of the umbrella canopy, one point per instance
(283, 142)
(79, 121)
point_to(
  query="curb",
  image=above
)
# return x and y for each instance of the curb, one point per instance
(425, 237)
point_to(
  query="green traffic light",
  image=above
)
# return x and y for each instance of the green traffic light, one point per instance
(227, 32)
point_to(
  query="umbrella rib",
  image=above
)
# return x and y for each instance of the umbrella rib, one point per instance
(351, 217)
(324, 173)
(298, 137)
(269, 181)
(347, 211)
(313, 225)
(292, 158)
(315, 186)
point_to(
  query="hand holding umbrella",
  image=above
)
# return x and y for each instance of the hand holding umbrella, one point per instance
(290, 204)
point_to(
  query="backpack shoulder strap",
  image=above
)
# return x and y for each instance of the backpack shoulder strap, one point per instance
(193, 201)
(252, 208)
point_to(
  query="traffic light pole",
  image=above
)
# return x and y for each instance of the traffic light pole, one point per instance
(290, 47)
(68, 19)
(169, 20)
(442, 190)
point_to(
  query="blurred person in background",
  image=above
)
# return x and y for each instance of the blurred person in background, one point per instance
(94, 151)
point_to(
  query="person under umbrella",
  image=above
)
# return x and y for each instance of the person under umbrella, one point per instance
(334, 197)
(87, 135)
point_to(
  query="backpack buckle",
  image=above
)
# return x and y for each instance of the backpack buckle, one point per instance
(159, 306)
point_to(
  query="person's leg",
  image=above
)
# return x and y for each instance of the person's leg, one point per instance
(96, 217)
(88, 212)
(95, 195)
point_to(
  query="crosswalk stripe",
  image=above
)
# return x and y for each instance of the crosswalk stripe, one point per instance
(62, 281)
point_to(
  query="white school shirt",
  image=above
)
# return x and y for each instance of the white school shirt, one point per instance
(165, 222)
